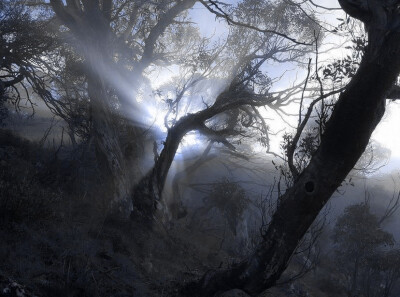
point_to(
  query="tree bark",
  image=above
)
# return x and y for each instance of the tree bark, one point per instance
(147, 192)
(94, 39)
(108, 150)
(110, 158)
(178, 210)
(353, 287)
(358, 110)
(90, 24)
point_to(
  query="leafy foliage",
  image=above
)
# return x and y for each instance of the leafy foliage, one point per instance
(342, 69)
(359, 231)
(231, 201)
(362, 251)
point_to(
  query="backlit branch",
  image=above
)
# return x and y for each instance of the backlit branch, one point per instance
(220, 14)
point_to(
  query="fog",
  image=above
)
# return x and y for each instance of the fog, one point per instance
(199, 148)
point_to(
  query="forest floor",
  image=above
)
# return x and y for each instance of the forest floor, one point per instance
(57, 243)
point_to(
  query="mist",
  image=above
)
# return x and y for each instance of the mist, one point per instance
(199, 148)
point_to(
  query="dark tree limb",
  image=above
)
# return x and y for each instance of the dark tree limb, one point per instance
(16, 80)
(359, 109)
(148, 191)
(324, 7)
(177, 210)
(394, 93)
(95, 37)
(300, 129)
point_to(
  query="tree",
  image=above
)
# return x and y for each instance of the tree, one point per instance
(221, 193)
(385, 274)
(234, 109)
(107, 35)
(359, 238)
(24, 43)
(126, 38)
(357, 112)
(118, 36)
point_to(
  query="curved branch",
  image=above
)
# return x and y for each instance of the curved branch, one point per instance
(159, 28)
(229, 20)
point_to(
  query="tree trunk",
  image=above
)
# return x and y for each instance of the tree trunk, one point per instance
(147, 192)
(96, 46)
(149, 189)
(359, 109)
(178, 210)
(94, 41)
(353, 287)
(108, 150)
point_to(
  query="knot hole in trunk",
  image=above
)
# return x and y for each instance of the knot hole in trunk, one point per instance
(309, 187)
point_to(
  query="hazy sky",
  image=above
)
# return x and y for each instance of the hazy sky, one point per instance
(387, 132)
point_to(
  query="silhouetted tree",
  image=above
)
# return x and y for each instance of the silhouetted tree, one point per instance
(25, 44)
(357, 112)
(359, 238)
(234, 109)
(117, 40)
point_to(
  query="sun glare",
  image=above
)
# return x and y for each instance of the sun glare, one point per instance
(155, 118)
(191, 139)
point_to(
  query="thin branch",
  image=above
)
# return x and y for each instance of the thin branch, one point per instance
(229, 20)
(391, 208)
(324, 7)
(300, 128)
(394, 93)
(304, 89)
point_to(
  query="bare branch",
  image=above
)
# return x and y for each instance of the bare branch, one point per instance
(323, 7)
(394, 93)
(391, 208)
(220, 14)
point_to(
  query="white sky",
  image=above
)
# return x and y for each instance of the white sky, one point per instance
(388, 132)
